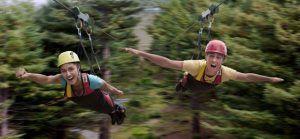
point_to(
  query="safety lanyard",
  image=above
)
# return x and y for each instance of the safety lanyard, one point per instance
(206, 16)
(83, 21)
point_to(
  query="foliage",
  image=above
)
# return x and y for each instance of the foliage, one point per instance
(21, 47)
(255, 32)
(34, 42)
(262, 37)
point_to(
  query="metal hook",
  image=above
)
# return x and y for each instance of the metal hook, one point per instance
(79, 24)
(210, 22)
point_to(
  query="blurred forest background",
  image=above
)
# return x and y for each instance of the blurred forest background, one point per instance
(262, 37)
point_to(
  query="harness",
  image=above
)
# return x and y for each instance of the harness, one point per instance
(197, 83)
(88, 98)
(201, 75)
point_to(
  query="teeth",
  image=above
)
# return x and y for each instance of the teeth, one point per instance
(70, 78)
(213, 65)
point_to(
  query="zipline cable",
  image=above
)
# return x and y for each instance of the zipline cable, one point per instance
(83, 21)
(62, 5)
(206, 16)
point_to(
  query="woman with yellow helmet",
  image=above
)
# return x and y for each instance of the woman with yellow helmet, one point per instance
(87, 90)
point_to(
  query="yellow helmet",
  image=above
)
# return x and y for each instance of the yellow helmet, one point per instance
(67, 57)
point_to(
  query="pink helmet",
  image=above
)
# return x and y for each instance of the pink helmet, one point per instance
(216, 46)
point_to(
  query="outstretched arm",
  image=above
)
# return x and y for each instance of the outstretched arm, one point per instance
(38, 78)
(156, 59)
(251, 77)
(109, 88)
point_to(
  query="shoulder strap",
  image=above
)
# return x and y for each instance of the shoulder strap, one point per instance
(68, 90)
(218, 78)
(201, 72)
(86, 83)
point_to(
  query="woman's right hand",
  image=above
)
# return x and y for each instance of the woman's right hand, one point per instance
(21, 73)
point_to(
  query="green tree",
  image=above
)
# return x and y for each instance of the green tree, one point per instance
(260, 56)
(254, 31)
(111, 31)
(20, 47)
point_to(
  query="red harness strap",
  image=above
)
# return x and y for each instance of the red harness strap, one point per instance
(108, 99)
(218, 78)
(89, 98)
(86, 84)
(88, 89)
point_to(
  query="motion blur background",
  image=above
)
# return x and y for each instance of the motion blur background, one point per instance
(262, 37)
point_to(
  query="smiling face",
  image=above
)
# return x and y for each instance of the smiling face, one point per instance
(70, 72)
(214, 63)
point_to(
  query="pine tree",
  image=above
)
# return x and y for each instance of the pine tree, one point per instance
(172, 34)
(254, 31)
(111, 31)
(254, 118)
(32, 111)
(20, 48)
